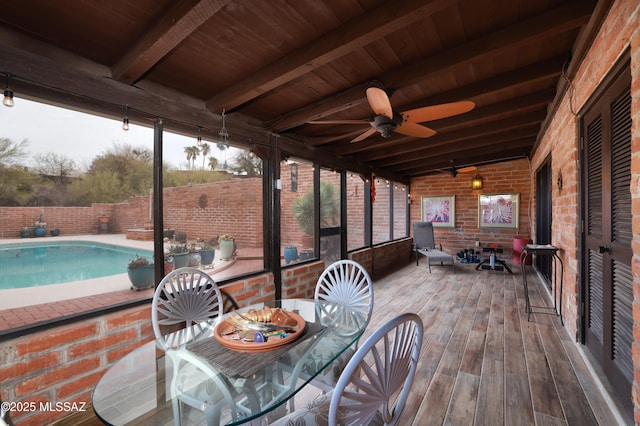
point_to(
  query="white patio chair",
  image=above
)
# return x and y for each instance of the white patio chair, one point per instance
(375, 384)
(345, 283)
(347, 292)
(184, 296)
(343, 287)
(196, 384)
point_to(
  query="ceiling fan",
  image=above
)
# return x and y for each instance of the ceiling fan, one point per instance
(386, 120)
(463, 170)
(455, 170)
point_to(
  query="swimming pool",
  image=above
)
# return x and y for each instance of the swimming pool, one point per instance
(38, 264)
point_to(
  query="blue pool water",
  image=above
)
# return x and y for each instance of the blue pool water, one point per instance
(37, 264)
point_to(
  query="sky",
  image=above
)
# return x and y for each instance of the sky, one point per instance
(81, 136)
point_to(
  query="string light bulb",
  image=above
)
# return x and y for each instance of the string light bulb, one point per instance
(251, 154)
(199, 140)
(8, 93)
(125, 120)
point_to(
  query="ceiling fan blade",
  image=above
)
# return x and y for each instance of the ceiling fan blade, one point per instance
(469, 169)
(436, 112)
(338, 122)
(364, 135)
(379, 101)
(415, 130)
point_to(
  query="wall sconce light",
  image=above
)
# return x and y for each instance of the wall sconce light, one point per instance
(8, 93)
(560, 181)
(476, 182)
(125, 120)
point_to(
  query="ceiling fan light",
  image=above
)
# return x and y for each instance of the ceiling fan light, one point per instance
(386, 129)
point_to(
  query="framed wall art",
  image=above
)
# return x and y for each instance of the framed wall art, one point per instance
(498, 210)
(441, 211)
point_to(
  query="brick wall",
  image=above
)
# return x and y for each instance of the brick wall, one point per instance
(64, 364)
(620, 32)
(502, 178)
(208, 210)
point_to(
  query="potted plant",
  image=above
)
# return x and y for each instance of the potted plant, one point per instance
(25, 232)
(226, 246)
(303, 208)
(141, 273)
(290, 253)
(194, 256)
(104, 222)
(40, 226)
(55, 232)
(180, 254)
(207, 253)
(168, 263)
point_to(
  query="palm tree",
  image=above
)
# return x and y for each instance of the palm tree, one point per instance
(213, 163)
(205, 151)
(187, 150)
(192, 153)
(196, 153)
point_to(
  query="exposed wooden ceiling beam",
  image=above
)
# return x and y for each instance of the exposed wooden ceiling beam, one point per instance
(473, 158)
(479, 144)
(176, 24)
(497, 111)
(358, 32)
(555, 21)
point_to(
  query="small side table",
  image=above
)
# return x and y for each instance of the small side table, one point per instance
(543, 250)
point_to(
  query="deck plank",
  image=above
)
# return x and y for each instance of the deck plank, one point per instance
(482, 361)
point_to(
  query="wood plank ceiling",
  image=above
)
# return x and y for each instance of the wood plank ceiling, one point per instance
(273, 66)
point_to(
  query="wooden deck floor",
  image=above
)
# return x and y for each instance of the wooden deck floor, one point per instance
(482, 362)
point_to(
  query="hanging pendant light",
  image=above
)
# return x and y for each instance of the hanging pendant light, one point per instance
(125, 120)
(199, 140)
(251, 154)
(8, 93)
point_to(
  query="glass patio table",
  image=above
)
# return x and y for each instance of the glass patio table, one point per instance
(199, 374)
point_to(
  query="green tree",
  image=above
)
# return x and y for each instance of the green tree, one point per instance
(16, 186)
(115, 175)
(12, 152)
(213, 163)
(99, 187)
(55, 167)
(192, 154)
(189, 152)
(302, 207)
(244, 164)
(204, 150)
